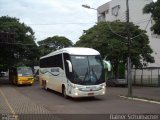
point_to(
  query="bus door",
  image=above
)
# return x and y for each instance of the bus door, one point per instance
(56, 78)
(68, 73)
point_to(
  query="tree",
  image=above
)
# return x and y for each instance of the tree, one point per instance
(21, 49)
(154, 9)
(51, 44)
(114, 46)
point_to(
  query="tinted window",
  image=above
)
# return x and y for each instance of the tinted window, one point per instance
(53, 61)
(87, 70)
(24, 71)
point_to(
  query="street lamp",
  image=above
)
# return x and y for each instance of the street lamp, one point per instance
(129, 48)
(87, 6)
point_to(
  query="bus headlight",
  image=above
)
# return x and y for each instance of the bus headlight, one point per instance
(76, 88)
(103, 87)
(76, 94)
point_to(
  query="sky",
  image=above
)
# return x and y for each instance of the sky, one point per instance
(48, 18)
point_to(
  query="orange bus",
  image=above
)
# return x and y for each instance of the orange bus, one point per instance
(21, 75)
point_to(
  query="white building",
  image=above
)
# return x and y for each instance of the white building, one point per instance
(116, 10)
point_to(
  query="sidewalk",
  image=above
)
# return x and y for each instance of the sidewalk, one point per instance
(13, 102)
(151, 93)
(16, 106)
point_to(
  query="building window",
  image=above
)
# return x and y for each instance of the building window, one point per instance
(102, 17)
(107, 11)
(115, 10)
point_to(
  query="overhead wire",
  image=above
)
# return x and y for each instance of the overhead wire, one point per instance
(114, 32)
(17, 43)
(142, 21)
(83, 23)
(10, 23)
(144, 29)
(132, 37)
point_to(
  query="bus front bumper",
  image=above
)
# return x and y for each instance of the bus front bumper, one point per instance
(78, 93)
(25, 82)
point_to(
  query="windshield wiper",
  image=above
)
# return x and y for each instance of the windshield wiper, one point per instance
(86, 75)
(94, 74)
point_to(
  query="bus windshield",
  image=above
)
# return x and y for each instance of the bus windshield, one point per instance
(24, 71)
(87, 70)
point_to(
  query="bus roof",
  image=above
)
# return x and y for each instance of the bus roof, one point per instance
(74, 51)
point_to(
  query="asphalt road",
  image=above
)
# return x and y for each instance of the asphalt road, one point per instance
(110, 103)
(36, 100)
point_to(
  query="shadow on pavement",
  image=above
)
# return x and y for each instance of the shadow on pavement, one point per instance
(82, 99)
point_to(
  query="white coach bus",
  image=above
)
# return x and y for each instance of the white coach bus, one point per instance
(75, 72)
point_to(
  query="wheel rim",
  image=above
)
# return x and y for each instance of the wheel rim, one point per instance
(64, 92)
(45, 85)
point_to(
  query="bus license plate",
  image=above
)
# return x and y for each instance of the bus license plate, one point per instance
(90, 94)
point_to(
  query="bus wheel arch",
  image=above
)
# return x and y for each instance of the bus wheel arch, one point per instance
(64, 91)
(44, 83)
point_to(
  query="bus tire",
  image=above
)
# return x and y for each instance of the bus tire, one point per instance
(45, 85)
(64, 92)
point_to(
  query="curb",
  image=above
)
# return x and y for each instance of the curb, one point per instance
(139, 99)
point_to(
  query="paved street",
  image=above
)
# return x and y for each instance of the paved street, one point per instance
(35, 100)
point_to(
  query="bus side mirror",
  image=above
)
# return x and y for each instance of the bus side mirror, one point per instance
(107, 65)
(43, 70)
(69, 65)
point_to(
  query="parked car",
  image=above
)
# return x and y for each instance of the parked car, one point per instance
(116, 82)
(3, 74)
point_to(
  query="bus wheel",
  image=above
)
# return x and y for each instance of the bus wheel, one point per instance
(64, 92)
(45, 85)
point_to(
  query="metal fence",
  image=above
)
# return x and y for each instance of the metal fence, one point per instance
(146, 77)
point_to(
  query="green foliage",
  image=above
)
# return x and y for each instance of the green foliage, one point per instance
(17, 52)
(51, 44)
(154, 9)
(121, 70)
(114, 47)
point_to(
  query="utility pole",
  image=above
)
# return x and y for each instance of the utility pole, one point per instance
(129, 53)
